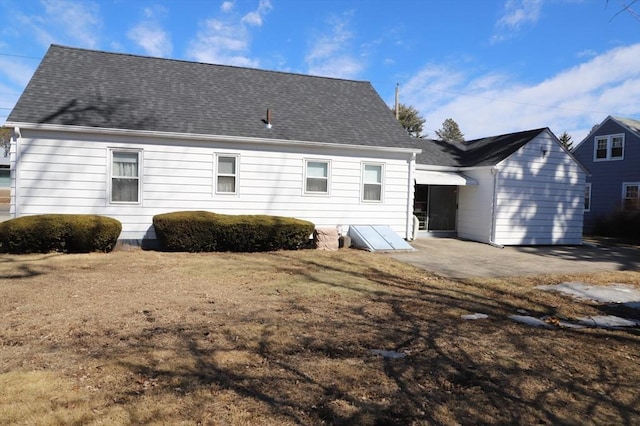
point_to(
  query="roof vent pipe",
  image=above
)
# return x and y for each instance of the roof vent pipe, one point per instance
(268, 126)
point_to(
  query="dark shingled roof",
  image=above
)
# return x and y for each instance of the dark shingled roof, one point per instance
(81, 87)
(479, 152)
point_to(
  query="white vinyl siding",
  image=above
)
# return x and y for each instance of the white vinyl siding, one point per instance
(539, 199)
(69, 173)
(475, 207)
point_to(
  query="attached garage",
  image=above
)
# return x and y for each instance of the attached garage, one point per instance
(516, 189)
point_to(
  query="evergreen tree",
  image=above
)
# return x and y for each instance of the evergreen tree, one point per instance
(565, 140)
(410, 119)
(450, 131)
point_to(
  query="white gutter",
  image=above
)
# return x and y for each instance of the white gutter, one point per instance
(14, 159)
(206, 138)
(449, 168)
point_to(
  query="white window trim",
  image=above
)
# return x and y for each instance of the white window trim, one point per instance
(216, 174)
(624, 191)
(110, 177)
(609, 139)
(304, 180)
(362, 183)
(588, 186)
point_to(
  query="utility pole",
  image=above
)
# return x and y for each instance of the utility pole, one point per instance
(397, 101)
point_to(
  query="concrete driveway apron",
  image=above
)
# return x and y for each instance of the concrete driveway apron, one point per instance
(453, 258)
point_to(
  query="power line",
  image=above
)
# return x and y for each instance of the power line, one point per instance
(520, 102)
(20, 56)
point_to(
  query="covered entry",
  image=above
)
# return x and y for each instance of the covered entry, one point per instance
(436, 200)
(435, 207)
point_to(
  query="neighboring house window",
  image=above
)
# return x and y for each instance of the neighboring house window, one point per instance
(125, 176)
(587, 197)
(609, 148)
(372, 182)
(317, 177)
(227, 174)
(631, 196)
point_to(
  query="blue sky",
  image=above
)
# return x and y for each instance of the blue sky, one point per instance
(494, 66)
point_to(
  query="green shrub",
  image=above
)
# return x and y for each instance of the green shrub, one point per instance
(69, 233)
(197, 231)
(620, 224)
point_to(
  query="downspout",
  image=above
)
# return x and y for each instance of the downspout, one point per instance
(14, 161)
(494, 202)
(409, 231)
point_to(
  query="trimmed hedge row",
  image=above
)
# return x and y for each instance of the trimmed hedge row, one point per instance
(621, 224)
(201, 231)
(68, 233)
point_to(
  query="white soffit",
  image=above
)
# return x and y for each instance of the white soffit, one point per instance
(431, 177)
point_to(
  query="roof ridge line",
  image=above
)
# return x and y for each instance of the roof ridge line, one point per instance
(136, 55)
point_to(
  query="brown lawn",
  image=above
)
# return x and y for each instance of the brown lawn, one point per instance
(287, 338)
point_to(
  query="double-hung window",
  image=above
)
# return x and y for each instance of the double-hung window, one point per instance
(609, 147)
(631, 196)
(372, 182)
(587, 197)
(317, 177)
(125, 176)
(227, 174)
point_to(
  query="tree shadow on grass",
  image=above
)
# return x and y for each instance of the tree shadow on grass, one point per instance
(25, 266)
(313, 362)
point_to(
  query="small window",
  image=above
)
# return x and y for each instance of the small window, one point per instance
(372, 182)
(587, 197)
(227, 175)
(609, 147)
(125, 176)
(601, 147)
(317, 177)
(631, 196)
(617, 146)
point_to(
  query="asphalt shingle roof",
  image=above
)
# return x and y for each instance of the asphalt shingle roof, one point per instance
(478, 152)
(82, 87)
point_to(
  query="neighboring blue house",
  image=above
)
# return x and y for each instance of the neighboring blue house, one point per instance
(611, 153)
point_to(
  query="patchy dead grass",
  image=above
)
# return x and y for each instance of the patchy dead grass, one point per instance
(286, 338)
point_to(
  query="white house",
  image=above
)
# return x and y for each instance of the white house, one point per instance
(520, 188)
(130, 137)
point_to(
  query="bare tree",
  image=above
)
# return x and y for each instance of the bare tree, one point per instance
(5, 140)
(626, 7)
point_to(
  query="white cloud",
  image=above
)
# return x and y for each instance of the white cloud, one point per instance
(329, 55)
(255, 17)
(78, 20)
(150, 35)
(227, 6)
(517, 13)
(226, 40)
(491, 104)
(17, 72)
(152, 38)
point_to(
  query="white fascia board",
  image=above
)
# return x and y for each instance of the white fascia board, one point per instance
(207, 138)
(450, 168)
